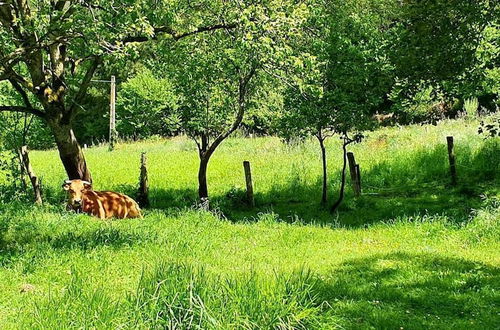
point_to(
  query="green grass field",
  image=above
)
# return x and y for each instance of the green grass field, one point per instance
(412, 252)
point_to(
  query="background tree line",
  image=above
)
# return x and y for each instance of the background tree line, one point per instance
(204, 69)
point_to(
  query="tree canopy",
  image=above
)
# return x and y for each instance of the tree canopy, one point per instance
(207, 68)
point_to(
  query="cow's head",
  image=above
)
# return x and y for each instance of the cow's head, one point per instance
(76, 189)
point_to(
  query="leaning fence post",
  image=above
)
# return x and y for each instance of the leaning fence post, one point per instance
(451, 158)
(248, 179)
(35, 182)
(354, 175)
(143, 195)
(22, 171)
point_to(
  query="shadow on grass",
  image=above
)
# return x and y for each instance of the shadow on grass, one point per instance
(386, 291)
(416, 185)
(413, 291)
(30, 242)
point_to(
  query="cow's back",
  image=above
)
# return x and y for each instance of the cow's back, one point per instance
(118, 205)
(92, 204)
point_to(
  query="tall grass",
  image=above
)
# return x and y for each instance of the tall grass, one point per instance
(471, 107)
(177, 296)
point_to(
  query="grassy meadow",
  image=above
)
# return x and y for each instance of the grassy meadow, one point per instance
(413, 252)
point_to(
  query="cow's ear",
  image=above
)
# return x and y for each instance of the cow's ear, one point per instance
(66, 185)
(87, 185)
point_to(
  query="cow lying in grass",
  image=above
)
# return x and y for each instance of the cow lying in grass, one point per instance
(102, 204)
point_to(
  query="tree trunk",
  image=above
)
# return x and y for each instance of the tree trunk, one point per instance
(206, 149)
(321, 141)
(202, 178)
(342, 184)
(70, 152)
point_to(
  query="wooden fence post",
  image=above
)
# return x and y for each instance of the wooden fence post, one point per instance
(358, 179)
(451, 158)
(354, 175)
(35, 182)
(143, 195)
(248, 179)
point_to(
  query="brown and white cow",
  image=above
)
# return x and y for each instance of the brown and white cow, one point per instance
(102, 204)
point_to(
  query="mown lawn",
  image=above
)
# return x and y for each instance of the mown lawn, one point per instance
(411, 253)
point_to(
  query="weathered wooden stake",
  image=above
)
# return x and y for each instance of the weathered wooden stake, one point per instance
(451, 158)
(143, 195)
(248, 179)
(35, 182)
(354, 175)
(358, 178)
(22, 171)
(112, 114)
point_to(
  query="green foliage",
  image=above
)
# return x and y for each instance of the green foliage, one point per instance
(345, 60)
(359, 72)
(490, 128)
(147, 106)
(210, 71)
(437, 40)
(17, 129)
(11, 186)
(428, 104)
(343, 78)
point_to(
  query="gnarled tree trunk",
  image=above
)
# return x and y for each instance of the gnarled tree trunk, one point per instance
(70, 152)
(346, 142)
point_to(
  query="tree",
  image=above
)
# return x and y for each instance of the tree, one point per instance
(50, 50)
(426, 35)
(306, 115)
(438, 46)
(219, 74)
(217, 106)
(342, 81)
(146, 106)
